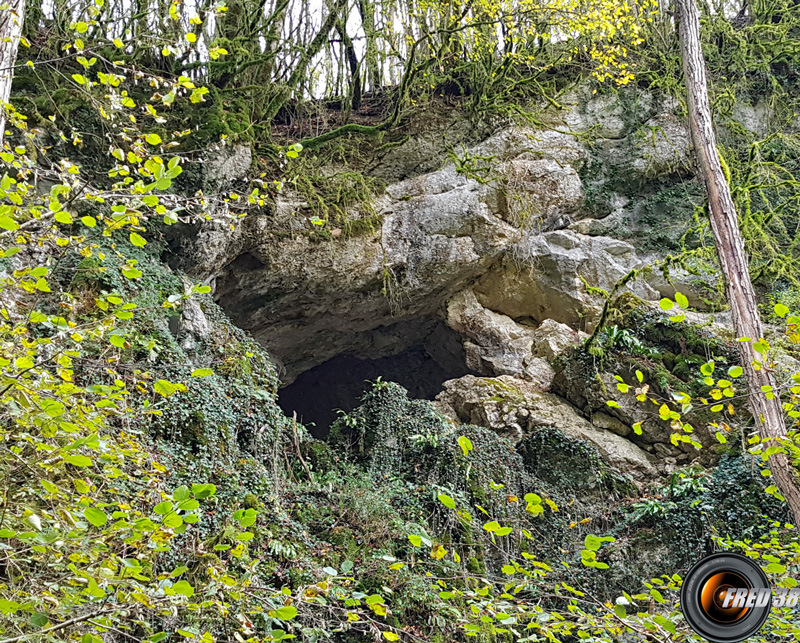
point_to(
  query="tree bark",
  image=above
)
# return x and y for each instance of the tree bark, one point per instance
(767, 413)
(11, 21)
(367, 12)
(352, 61)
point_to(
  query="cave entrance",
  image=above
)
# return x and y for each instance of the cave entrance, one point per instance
(317, 394)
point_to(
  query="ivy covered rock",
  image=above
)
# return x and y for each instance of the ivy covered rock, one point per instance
(516, 409)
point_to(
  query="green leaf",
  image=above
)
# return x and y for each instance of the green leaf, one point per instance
(781, 310)
(166, 388)
(89, 222)
(172, 520)
(447, 501)
(137, 240)
(465, 444)
(95, 516)
(183, 587)
(7, 223)
(63, 217)
(415, 540)
(202, 372)
(246, 518)
(735, 371)
(23, 362)
(153, 139)
(117, 340)
(9, 607)
(78, 460)
(666, 304)
(39, 619)
(53, 408)
(203, 491)
(681, 300)
(286, 613)
(619, 610)
(593, 543)
(181, 493)
(163, 508)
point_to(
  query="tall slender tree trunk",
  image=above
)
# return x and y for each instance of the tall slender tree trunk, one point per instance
(768, 413)
(352, 61)
(367, 12)
(11, 21)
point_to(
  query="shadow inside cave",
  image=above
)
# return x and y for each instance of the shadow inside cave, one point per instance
(318, 394)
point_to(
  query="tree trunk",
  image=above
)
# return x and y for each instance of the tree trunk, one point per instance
(352, 61)
(767, 413)
(11, 20)
(367, 12)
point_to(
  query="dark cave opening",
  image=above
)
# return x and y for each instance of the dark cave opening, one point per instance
(317, 394)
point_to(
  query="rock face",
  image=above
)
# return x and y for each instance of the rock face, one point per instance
(506, 254)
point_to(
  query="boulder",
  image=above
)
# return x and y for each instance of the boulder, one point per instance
(604, 421)
(228, 164)
(663, 147)
(553, 338)
(496, 344)
(515, 408)
(543, 277)
(541, 194)
(194, 321)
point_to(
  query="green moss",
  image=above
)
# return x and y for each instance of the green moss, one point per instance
(341, 200)
(503, 392)
(475, 566)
